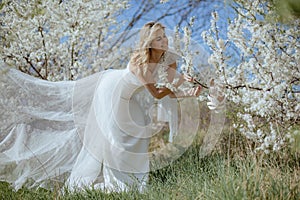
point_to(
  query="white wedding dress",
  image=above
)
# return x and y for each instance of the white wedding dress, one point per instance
(93, 132)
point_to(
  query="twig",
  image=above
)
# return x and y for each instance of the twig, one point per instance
(199, 83)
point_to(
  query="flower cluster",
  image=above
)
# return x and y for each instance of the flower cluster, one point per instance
(258, 62)
(195, 65)
(163, 78)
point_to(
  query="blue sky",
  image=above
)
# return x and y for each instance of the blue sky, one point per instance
(202, 15)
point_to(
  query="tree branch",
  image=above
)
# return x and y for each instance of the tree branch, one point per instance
(31, 65)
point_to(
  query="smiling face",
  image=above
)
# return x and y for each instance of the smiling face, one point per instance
(160, 41)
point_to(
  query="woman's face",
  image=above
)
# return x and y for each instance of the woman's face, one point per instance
(160, 41)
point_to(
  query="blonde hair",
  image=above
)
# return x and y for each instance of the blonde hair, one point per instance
(141, 56)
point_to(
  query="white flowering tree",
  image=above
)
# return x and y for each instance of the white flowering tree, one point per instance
(258, 62)
(59, 40)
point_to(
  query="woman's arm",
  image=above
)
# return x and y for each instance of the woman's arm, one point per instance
(149, 83)
(158, 93)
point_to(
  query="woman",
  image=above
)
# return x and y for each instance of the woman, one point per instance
(92, 132)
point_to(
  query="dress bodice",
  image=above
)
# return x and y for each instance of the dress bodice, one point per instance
(128, 84)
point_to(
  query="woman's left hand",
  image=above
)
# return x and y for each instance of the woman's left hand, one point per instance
(189, 78)
(195, 91)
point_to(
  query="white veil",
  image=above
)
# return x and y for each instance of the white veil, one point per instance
(36, 129)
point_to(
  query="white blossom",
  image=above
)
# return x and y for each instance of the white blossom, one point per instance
(53, 36)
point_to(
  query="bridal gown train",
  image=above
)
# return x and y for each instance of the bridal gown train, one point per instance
(93, 132)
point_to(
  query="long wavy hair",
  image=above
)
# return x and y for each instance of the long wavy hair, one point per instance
(141, 56)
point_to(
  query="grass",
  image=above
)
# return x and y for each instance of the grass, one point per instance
(231, 172)
(218, 176)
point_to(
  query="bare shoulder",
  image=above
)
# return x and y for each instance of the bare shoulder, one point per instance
(132, 67)
(136, 70)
